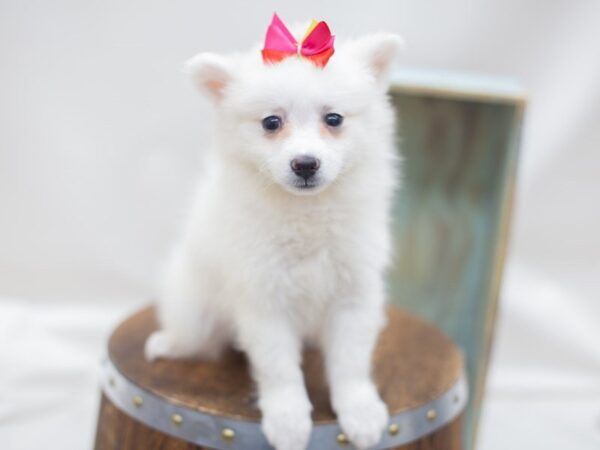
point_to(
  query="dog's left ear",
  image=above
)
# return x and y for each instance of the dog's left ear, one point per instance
(378, 51)
(211, 73)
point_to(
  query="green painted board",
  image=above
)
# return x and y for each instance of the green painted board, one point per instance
(459, 139)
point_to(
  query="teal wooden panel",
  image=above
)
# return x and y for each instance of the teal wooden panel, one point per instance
(450, 218)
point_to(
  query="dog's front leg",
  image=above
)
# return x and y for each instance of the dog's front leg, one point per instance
(348, 344)
(274, 352)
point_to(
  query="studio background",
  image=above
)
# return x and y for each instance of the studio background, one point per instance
(101, 136)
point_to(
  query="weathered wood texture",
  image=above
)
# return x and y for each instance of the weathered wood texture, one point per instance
(414, 364)
(451, 219)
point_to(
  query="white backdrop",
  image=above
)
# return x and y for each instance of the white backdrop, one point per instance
(101, 135)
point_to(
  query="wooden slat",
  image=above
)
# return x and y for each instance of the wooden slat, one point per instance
(451, 218)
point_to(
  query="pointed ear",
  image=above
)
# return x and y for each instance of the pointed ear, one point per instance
(377, 52)
(210, 72)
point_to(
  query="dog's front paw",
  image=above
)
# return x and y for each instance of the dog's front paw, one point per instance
(287, 426)
(287, 430)
(363, 417)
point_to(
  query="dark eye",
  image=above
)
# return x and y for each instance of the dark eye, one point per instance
(272, 123)
(333, 119)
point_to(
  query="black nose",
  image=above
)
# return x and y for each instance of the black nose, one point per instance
(305, 166)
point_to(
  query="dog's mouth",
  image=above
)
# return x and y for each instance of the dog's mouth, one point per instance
(306, 185)
(301, 185)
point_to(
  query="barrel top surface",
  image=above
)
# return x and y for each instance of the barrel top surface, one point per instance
(414, 363)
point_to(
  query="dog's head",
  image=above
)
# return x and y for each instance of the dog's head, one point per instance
(299, 125)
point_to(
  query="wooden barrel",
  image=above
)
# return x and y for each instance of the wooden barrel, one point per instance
(193, 405)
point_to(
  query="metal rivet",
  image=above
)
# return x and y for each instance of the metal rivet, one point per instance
(394, 429)
(431, 414)
(176, 419)
(342, 439)
(137, 401)
(228, 434)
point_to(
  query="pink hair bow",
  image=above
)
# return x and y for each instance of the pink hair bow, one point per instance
(316, 46)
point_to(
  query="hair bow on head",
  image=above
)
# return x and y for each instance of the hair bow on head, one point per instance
(316, 46)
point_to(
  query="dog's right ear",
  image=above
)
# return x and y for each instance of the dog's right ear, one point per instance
(210, 72)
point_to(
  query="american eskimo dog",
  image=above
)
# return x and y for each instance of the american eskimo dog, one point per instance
(288, 238)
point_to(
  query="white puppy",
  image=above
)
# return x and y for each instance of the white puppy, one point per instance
(288, 237)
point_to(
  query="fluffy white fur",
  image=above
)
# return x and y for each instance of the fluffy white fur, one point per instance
(269, 267)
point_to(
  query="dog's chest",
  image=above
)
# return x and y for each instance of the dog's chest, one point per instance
(312, 255)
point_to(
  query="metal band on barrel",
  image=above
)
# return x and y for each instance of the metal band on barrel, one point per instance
(222, 433)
